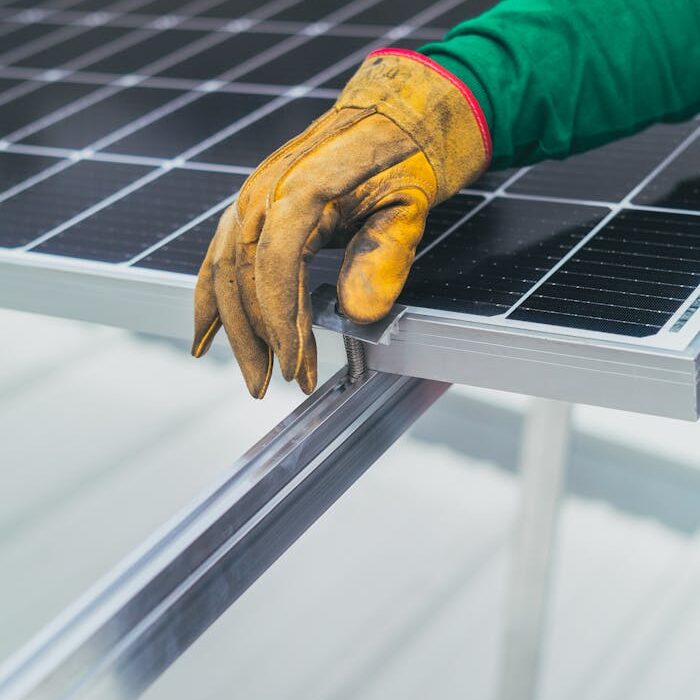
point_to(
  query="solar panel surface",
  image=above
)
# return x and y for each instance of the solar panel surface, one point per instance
(126, 126)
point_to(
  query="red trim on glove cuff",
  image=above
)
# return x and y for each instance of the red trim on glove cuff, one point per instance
(466, 92)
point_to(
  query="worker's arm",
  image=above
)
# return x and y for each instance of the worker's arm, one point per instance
(543, 77)
(555, 77)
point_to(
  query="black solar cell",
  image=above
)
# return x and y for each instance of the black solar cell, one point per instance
(7, 83)
(23, 34)
(57, 199)
(463, 11)
(309, 10)
(21, 3)
(495, 256)
(72, 48)
(629, 279)
(444, 216)
(230, 9)
(493, 179)
(131, 224)
(249, 146)
(178, 131)
(93, 5)
(608, 173)
(102, 118)
(152, 48)
(678, 184)
(162, 7)
(185, 253)
(17, 167)
(37, 104)
(390, 13)
(229, 52)
(302, 63)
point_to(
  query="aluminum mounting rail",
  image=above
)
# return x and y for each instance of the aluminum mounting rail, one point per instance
(125, 632)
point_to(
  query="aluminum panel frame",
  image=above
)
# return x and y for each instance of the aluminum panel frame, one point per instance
(422, 343)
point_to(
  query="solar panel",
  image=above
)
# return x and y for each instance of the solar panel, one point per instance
(126, 126)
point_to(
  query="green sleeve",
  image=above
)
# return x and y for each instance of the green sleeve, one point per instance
(555, 77)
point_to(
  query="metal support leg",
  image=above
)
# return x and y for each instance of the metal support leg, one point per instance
(543, 458)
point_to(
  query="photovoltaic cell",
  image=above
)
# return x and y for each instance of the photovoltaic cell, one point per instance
(178, 131)
(132, 224)
(17, 167)
(608, 173)
(130, 59)
(51, 202)
(628, 279)
(300, 64)
(231, 9)
(389, 13)
(102, 118)
(464, 11)
(495, 256)
(7, 83)
(308, 10)
(677, 186)
(162, 7)
(93, 5)
(444, 216)
(22, 35)
(251, 145)
(493, 179)
(72, 48)
(38, 103)
(211, 62)
(21, 3)
(185, 253)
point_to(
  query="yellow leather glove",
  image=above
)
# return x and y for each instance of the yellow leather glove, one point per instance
(403, 136)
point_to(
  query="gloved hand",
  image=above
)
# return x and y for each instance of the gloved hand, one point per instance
(404, 135)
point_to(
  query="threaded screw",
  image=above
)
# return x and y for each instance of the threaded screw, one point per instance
(357, 360)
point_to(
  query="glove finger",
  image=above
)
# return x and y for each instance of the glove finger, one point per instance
(379, 257)
(246, 248)
(292, 234)
(307, 376)
(252, 353)
(307, 373)
(206, 312)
